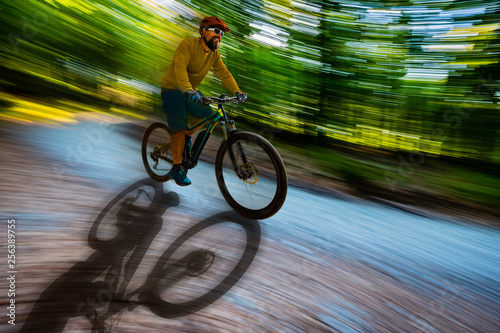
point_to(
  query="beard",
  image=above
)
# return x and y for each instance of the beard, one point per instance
(214, 43)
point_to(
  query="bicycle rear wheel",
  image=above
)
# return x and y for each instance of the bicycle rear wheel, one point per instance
(157, 152)
(258, 188)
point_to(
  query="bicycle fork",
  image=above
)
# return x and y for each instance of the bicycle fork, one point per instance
(239, 168)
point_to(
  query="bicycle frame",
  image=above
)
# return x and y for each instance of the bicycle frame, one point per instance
(214, 118)
(218, 117)
(221, 118)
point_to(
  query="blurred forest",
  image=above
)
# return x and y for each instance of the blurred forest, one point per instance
(415, 77)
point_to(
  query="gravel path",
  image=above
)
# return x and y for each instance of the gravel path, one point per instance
(324, 263)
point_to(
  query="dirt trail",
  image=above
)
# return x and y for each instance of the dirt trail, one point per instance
(292, 285)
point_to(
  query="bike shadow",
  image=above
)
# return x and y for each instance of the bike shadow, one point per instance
(121, 235)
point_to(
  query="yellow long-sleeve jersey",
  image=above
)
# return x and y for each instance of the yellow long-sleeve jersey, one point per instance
(192, 61)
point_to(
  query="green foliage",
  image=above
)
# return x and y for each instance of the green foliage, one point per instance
(405, 75)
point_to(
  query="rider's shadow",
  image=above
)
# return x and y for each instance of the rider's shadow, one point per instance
(121, 235)
(82, 289)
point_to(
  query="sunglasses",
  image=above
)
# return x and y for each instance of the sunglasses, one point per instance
(217, 31)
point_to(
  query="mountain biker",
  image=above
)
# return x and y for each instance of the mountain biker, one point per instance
(193, 58)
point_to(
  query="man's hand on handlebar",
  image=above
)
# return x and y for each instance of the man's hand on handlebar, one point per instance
(206, 100)
(192, 96)
(242, 97)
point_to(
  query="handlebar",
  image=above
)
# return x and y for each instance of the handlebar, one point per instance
(219, 100)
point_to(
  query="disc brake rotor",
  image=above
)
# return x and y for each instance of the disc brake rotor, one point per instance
(249, 173)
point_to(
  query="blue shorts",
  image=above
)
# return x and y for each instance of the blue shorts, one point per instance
(177, 107)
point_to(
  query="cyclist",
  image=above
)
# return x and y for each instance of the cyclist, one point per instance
(193, 58)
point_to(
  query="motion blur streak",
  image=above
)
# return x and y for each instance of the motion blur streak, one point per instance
(379, 74)
(408, 76)
(390, 101)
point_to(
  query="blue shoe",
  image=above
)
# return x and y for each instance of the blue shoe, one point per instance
(179, 175)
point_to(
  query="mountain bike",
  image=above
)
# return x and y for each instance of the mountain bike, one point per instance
(250, 172)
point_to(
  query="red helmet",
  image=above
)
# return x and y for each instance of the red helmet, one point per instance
(213, 22)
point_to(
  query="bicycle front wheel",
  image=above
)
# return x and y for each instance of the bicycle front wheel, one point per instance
(157, 152)
(251, 175)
